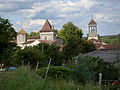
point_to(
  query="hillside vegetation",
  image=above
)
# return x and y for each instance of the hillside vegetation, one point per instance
(114, 39)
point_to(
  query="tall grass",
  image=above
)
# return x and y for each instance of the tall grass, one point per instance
(25, 79)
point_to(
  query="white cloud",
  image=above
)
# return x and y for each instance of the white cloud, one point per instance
(31, 25)
(4, 7)
(87, 3)
(107, 17)
(31, 13)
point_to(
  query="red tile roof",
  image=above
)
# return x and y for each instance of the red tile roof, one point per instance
(98, 45)
(29, 42)
(107, 46)
(92, 22)
(112, 46)
(34, 37)
(47, 27)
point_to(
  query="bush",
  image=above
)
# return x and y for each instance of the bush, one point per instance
(93, 66)
(60, 72)
(89, 65)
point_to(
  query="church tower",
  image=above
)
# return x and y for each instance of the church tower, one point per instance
(21, 37)
(47, 32)
(92, 26)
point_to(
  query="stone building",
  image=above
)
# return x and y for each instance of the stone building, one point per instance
(46, 35)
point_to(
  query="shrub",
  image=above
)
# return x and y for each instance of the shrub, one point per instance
(60, 72)
(93, 66)
(89, 65)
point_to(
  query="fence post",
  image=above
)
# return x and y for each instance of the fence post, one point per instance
(100, 81)
(37, 65)
(48, 68)
(22, 63)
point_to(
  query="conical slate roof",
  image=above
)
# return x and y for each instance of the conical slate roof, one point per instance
(22, 31)
(92, 22)
(47, 27)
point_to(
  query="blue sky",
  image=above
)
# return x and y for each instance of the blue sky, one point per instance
(31, 14)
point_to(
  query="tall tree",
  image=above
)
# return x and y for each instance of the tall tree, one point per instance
(73, 47)
(68, 30)
(7, 34)
(74, 44)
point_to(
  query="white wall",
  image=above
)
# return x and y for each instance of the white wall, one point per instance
(21, 38)
(47, 36)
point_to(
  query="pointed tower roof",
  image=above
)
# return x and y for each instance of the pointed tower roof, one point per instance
(92, 22)
(47, 27)
(22, 31)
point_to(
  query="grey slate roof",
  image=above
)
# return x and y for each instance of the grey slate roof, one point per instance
(107, 55)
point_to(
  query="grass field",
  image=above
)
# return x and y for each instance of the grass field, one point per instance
(25, 79)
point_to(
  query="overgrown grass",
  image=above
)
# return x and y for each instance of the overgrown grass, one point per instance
(25, 79)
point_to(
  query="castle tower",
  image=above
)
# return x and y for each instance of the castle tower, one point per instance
(21, 37)
(92, 26)
(47, 32)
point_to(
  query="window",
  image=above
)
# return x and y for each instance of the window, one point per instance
(45, 38)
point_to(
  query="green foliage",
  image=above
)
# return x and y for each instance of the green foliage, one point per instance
(7, 34)
(75, 46)
(40, 53)
(114, 39)
(25, 79)
(53, 52)
(62, 73)
(88, 47)
(93, 66)
(68, 30)
(29, 54)
(111, 72)
(33, 34)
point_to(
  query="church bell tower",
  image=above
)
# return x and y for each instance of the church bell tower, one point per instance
(92, 27)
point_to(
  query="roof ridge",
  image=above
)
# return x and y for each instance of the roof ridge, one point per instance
(47, 27)
(92, 22)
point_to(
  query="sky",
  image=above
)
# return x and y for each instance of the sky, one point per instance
(31, 14)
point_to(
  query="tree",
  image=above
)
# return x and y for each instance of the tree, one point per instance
(92, 66)
(53, 52)
(74, 44)
(68, 30)
(33, 34)
(88, 47)
(28, 54)
(7, 35)
(73, 47)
